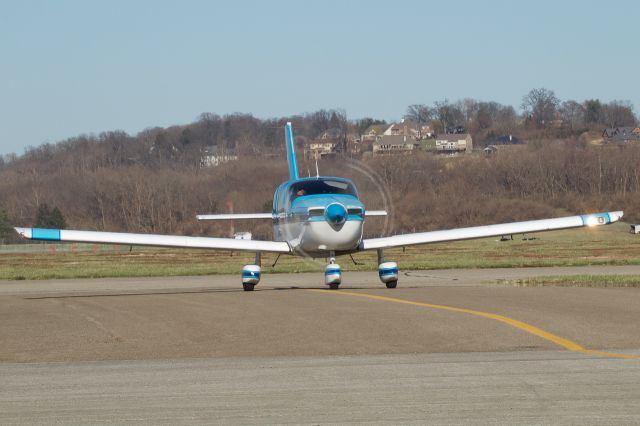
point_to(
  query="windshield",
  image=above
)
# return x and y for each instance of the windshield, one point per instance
(322, 186)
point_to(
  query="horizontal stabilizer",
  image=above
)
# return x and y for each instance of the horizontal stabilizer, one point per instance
(153, 240)
(234, 216)
(459, 234)
(368, 213)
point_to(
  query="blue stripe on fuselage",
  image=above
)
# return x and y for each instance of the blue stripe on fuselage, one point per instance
(313, 200)
(322, 218)
(300, 205)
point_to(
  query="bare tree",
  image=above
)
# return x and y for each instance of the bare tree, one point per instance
(593, 111)
(364, 123)
(419, 113)
(469, 108)
(619, 113)
(5, 227)
(541, 105)
(448, 114)
(572, 114)
(505, 120)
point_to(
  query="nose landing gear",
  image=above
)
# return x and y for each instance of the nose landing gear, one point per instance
(388, 271)
(333, 274)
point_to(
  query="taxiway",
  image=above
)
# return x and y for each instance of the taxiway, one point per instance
(200, 350)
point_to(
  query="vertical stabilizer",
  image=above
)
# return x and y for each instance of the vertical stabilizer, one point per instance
(291, 152)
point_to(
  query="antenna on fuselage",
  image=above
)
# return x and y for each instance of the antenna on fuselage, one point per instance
(317, 171)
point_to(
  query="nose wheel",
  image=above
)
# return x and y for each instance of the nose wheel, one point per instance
(392, 284)
(332, 274)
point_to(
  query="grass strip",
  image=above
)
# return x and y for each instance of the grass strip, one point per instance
(597, 281)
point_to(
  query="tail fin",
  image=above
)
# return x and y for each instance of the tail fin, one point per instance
(291, 152)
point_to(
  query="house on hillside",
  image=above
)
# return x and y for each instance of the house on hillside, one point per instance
(213, 156)
(409, 128)
(455, 129)
(316, 149)
(327, 143)
(621, 135)
(394, 144)
(454, 143)
(333, 133)
(501, 143)
(332, 142)
(490, 150)
(373, 133)
(496, 149)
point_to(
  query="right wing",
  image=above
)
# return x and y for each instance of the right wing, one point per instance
(153, 240)
(471, 233)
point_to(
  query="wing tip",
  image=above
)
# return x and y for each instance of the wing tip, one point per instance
(605, 218)
(23, 232)
(43, 234)
(616, 216)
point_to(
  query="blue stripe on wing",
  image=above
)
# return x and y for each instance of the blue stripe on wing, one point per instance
(45, 234)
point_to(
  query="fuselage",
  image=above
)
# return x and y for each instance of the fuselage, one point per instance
(318, 215)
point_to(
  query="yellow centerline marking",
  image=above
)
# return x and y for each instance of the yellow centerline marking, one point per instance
(560, 341)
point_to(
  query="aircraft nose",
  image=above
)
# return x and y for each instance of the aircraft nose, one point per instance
(335, 214)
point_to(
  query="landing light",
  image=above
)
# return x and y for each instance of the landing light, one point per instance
(595, 220)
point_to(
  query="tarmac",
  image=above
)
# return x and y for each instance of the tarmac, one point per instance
(445, 347)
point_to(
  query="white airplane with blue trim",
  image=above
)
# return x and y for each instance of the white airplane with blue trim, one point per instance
(320, 217)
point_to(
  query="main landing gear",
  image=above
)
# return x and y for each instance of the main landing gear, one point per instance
(251, 274)
(387, 271)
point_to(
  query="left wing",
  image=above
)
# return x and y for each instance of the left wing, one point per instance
(232, 216)
(526, 227)
(153, 240)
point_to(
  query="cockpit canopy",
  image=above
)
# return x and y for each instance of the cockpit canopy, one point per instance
(289, 191)
(322, 185)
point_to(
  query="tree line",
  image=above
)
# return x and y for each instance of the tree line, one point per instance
(426, 192)
(154, 182)
(543, 114)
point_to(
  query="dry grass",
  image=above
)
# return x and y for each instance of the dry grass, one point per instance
(601, 281)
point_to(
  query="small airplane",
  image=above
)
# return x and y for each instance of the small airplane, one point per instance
(320, 217)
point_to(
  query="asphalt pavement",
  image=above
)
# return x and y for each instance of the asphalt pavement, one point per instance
(446, 347)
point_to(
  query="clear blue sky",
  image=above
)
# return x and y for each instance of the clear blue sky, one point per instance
(73, 67)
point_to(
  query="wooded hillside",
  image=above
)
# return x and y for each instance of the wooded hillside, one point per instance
(427, 192)
(155, 182)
